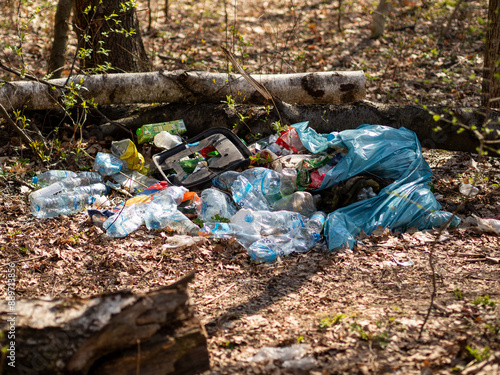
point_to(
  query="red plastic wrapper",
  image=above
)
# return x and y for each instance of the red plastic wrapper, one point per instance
(290, 140)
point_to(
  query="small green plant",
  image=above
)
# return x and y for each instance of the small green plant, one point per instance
(359, 329)
(484, 301)
(220, 219)
(229, 101)
(458, 294)
(383, 339)
(328, 321)
(198, 222)
(300, 339)
(477, 354)
(14, 233)
(494, 327)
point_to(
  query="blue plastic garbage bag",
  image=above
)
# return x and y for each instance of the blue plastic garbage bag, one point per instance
(388, 153)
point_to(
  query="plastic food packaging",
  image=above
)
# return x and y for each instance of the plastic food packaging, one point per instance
(147, 132)
(166, 140)
(52, 176)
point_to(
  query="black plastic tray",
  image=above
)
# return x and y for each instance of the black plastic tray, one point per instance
(234, 155)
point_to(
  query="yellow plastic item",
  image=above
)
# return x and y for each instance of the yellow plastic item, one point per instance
(126, 150)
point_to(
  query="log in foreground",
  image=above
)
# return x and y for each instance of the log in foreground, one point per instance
(322, 118)
(188, 87)
(119, 333)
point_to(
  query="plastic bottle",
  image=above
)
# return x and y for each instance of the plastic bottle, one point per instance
(246, 196)
(49, 177)
(175, 220)
(61, 204)
(166, 140)
(134, 180)
(125, 221)
(288, 184)
(225, 180)
(242, 235)
(83, 178)
(267, 222)
(107, 164)
(300, 201)
(300, 239)
(164, 204)
(215, 203)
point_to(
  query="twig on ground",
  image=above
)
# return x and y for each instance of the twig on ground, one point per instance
(22, 260)
(220, 295)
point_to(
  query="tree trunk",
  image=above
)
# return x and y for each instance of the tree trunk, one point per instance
(57, 57)
(491, 71)
(118, 333)
(379, 17)
(108, 33)
(181, 86)
(322, 118)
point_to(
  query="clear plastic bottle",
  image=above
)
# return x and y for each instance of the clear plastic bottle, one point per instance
(107, 164)
(69, 183)
(267, 223)
(166, 140)
(175, 220)
(242, 235)
(163, 205)
(300, 239)
(288, 183)
(300, 201)
(125, 221)
(133, 180)
(246, 196)
(49, 177)
(215, 203)
(225, 180)
(62, 204)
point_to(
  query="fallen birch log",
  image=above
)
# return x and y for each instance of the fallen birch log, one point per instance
(118, 333)
(187, 87)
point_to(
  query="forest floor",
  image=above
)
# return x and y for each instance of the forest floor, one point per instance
(351, 311)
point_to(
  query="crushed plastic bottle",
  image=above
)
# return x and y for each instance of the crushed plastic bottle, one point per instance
(300, 240)
(174, 220)
(214, 204)
(244, 236)
(69, 183)
(246, 196)
(125, 221)
(164, 204)
(267, 222)
(52, 176)
(468, 190)
(62, 204)
(300, 201)
(166, 140)
(107, 164)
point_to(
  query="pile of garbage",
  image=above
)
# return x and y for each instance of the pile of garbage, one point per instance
(279, 195)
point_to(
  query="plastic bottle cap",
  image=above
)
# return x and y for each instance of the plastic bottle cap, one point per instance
(248, 218)
(164, 183)
(34, 179)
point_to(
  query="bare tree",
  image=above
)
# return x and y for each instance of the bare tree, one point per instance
(491, 71)
(57, 57)
(109, 35)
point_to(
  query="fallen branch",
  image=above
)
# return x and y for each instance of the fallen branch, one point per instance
(116, 333)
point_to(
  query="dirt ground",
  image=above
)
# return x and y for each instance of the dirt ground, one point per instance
(349, 312)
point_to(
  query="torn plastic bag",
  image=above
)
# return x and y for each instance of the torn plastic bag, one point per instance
(386, 153)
